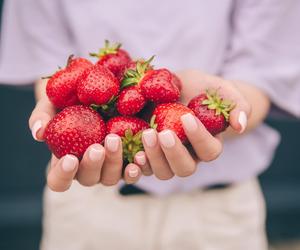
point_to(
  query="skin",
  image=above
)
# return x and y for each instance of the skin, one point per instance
(166, 156)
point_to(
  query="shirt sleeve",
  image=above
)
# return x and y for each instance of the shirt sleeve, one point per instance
(35, 40)
(264, 49)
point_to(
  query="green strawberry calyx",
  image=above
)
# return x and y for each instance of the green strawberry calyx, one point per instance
(221, 106)
(131, 145)
(133, 76)
(106, 109)
(152, 122)
(107, 49)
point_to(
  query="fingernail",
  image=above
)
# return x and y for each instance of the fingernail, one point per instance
(35, 128)
(242, 121)
(149, 137)
(133, 173)
(189, 122)
(95, 154)
(112, 143)
(167, 139)
(140, 159)
(69, 163)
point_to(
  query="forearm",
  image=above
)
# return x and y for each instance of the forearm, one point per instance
(260, 104)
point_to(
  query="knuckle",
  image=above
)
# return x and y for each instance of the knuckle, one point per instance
(55, 187)
(87, 183)
(199, 139)
(187, 171)
(164, 176)
(109, 182)
(132, 181)
(147, 172)
(211, 155)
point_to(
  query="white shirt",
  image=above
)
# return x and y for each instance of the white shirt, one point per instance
(256, 41)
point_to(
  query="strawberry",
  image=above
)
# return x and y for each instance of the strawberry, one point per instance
(73, 130)
(130, 130)
(79, 63)
(114, 58)
(177, 82)
(62, 86)
(167, 116)
(98, 85)
(130, 101)
(212, 110)
(158, 86)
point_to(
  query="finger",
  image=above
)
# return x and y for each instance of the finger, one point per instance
(180, 161)
(132, 173)
(91, 164)
(140, 159)
(238, 120)
(40, 116)
(239, 114)
(230, 90)
(112, 168)
(62, 172)
(204, 144)
(155, 155)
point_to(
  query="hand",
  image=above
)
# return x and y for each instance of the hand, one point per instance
(100, 164)
(167, 156)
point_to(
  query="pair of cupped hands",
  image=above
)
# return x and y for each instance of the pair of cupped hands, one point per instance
(164, 154)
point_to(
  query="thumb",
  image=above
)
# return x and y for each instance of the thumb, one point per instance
(40, 116)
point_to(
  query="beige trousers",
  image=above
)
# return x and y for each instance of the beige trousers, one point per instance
(99, 218)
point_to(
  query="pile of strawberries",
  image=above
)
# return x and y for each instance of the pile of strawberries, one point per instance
(121, 96)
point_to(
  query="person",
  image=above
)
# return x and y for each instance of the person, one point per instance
(249, 49)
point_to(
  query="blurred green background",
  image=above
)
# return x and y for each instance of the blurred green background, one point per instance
(23, 164)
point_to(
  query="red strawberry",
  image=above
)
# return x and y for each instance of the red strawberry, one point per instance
(130, 130)
(167, 116)
(158, 86)
(212, 110)
(132, 65)
(73, 130)
(130, 101)
(113, 58)
(62, 86)
(177, 82)
(79, 63)
(97, 86)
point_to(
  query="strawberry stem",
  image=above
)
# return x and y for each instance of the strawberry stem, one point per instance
(131, 145)
(133, 76)
(152, 122)
(70, 58)
(107, 109)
